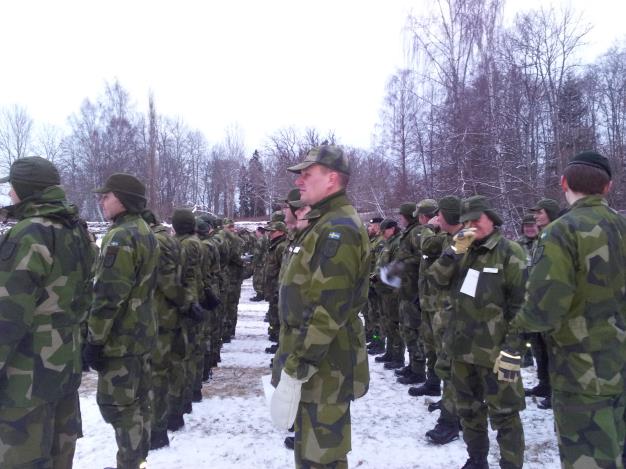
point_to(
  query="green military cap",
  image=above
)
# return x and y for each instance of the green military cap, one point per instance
(278, 215)
(593, 159)
(388, 223)
(426, 207)
(31, 174)
(551, 207)
(276, 226)
(330, 156)
(123, 183)
(208, 219)
(202, 226)
(407, 209)
(293, 199)
(149, 217)
(450, 208)
(528, 219)
(228, 221)
(183, 221)
(473, 207)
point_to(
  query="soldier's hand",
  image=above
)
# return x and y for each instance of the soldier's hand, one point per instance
(197, 313)
(463, 239)
(507, 366)
(92, 356)
(395, 269)
(285, 401)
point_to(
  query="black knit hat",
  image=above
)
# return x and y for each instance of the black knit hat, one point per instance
(183, 221)
(388, 223)
(593, 159)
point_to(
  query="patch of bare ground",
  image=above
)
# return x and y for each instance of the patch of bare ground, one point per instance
(235, 382)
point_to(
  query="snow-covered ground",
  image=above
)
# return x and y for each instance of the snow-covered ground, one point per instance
(231, 427)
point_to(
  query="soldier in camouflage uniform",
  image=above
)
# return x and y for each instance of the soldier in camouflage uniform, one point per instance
(260, 250)
(278, 243)
(389, 298)
(45, 272)
(195, 317)
(436, 313)
(576, 299)
(373, 320)
(235, 276)
(169, 299)
(321, 364)
(122, 322)
(545, 212)
(485, 278)
(528, 239)
(409, 257)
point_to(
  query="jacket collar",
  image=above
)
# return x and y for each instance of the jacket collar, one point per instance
(332, 202)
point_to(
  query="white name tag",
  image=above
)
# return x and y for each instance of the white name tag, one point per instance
(470, 283)
(490, 270)
(296, 249)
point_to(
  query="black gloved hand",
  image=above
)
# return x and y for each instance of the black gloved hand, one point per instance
(210, 301)
(92, 357)
(197, 313)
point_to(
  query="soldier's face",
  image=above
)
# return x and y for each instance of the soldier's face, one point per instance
(483, 225)
(530, 230)
(315, 183)
(111, 205)
(541, 218)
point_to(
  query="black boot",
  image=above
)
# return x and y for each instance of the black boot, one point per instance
(271, 349)
(545, 404)
(175, 422)
(541, 390)
(159, 439)
(386, 357)
(403, 371)
(429, 388)
(257, 297)
(412, 378)
(433, 406)
(290, 442)
(394, 364)
(226, 340)
(376, 347)
(476, 462)
(443, 434)
(187, 409)
(197, 396)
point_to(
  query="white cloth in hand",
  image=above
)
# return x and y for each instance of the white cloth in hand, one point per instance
(285, 401)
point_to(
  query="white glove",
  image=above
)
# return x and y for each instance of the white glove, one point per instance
(285, 401)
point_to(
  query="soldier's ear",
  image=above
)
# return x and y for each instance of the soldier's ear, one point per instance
(607, 188)
(564, 184)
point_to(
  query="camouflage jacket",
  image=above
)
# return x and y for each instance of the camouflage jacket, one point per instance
(211, 266)
(45, 273)
(122, 314)
(193, 278)
(273, 262)
(220, 241)
(481, 315)
(377, 243)
(169, 296)
(323, 288)
(388, 254)
(529, 245)
(260, 251)
(432, 245)
(410, 253)
(577, 298)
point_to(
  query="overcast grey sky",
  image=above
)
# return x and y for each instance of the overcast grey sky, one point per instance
(261, 64)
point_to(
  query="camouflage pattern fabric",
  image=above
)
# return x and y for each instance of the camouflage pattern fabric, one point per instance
(42, 436)
(235, 275)
(577, 299)
(273, 262)
(529, 245)
(214, 329)
(219, 239)
(123, 319)
(323, 436)
(260, 251)
(323, 288)
(45, 274)
(479, 394)
(125, 397)
(390, 300)
(373, 319)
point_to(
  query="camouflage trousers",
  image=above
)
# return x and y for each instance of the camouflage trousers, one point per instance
(232, 303)
(194, 361)
(590, 429)
(410, 321)
(125, 400)
(258, 280)
(214, 340)
(177, 373)
(323, 436)
(478, 394)
(273, 329)
(40, 437)
(373, 318)
(390, 319)
(161, 379)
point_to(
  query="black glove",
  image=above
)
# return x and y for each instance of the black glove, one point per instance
(210, 301)
(197, 313)
(92, 357)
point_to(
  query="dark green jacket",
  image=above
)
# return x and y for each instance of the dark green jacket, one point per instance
(577, 298)
(323, 288)
(122, 316)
